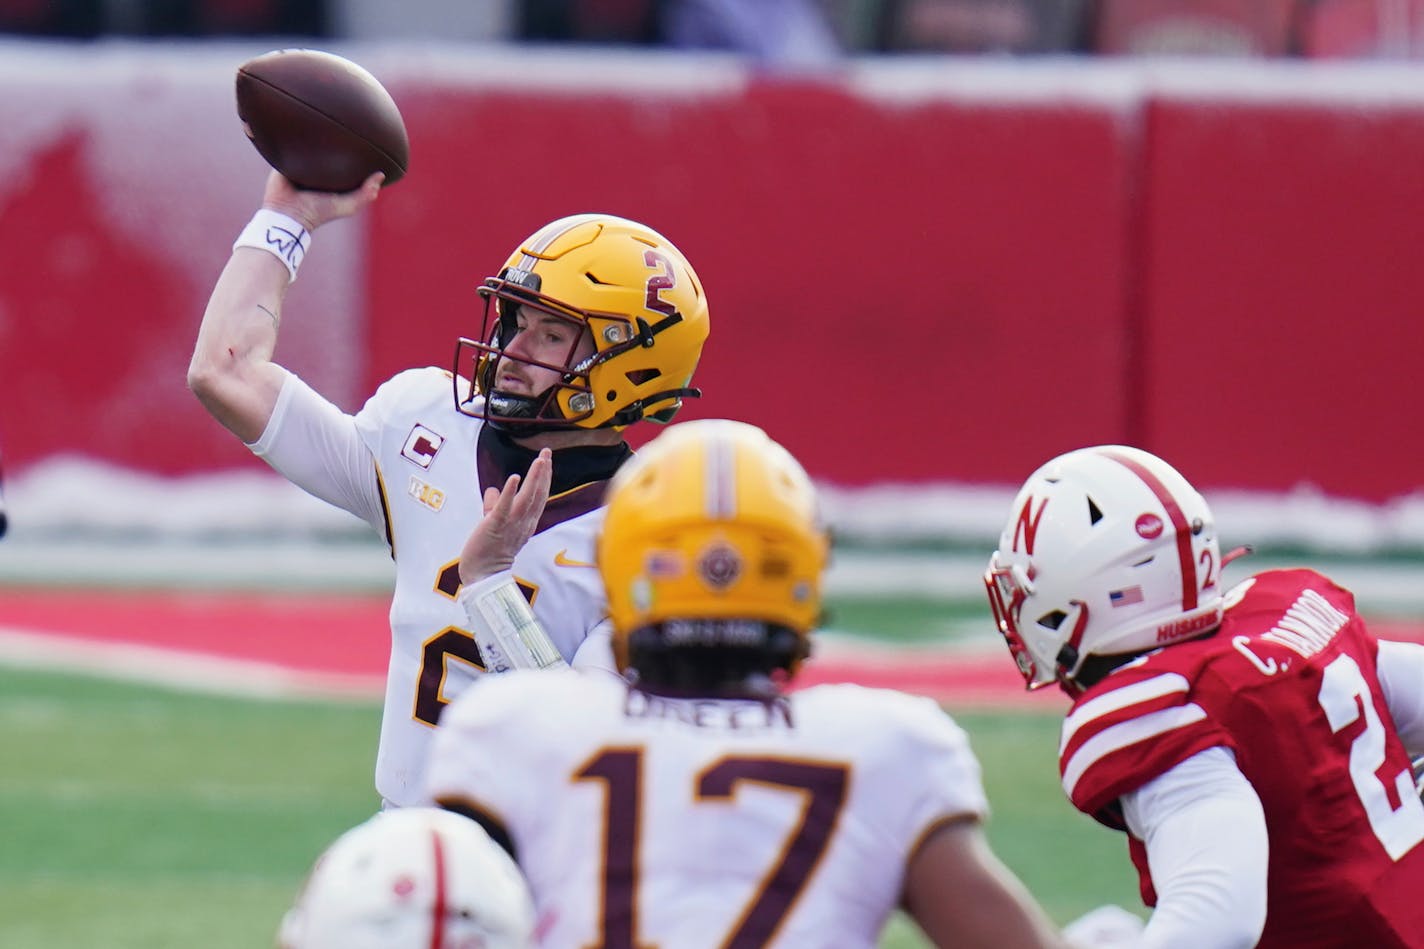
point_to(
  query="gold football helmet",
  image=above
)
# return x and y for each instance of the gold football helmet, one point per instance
(628, 290)
(712, 553)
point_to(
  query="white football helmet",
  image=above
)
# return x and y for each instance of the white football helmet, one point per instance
(1108, 551)
(412, 878)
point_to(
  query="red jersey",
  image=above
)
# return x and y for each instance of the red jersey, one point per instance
(1288, 683)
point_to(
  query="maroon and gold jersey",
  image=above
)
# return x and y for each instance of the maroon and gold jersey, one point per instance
(414, 468)
(1289, 685)
(647, 821)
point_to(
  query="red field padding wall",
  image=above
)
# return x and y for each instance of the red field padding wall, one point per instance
(895, 292)
(1283, 293)
(918, 272)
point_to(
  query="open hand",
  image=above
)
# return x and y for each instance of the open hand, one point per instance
(511, 514)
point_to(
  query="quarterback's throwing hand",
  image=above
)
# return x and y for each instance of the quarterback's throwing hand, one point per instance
(511, 514)
(315, 208)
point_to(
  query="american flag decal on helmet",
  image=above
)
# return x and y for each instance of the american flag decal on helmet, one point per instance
(1126, 597)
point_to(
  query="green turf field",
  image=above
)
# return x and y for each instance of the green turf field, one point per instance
(139, 818)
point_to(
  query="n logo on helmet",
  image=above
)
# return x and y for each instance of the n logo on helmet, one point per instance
(1027, 524)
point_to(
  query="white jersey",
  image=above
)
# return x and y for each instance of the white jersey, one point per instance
(407, 464)
(641, 820)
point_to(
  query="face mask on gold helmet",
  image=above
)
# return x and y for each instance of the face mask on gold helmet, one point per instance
(626, 289)
(712, 553)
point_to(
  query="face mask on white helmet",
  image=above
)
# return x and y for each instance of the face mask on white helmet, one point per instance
(412, 877)
(1108, 551)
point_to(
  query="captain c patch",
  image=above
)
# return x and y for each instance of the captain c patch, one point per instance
(421, 446)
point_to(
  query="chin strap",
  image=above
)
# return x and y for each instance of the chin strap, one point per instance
(1066, 662)
(634, 411)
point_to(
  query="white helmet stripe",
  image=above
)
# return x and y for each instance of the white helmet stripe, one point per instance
(1179, 524)
(721, 490)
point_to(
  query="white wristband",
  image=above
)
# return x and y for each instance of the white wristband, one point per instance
(504, 627)
(279, 235)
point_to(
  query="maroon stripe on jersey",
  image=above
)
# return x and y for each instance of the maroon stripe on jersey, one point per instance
(1179, 524)
(437, 922)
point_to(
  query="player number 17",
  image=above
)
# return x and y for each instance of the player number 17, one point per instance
(822, 787)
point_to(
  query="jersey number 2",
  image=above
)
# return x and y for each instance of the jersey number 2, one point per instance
(823, 791)
(1345, 697)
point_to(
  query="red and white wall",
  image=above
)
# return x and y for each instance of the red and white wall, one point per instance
(919, 271)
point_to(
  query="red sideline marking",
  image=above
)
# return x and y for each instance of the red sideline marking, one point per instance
(345, 634)
(957, 678)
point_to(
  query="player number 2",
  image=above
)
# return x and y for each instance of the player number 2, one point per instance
(1345, 697)
(823, 791)
(664, 279)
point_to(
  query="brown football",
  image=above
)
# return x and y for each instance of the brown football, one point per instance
(321, 120)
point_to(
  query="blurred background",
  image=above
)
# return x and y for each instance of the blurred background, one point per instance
(781, 30)
(943, 241)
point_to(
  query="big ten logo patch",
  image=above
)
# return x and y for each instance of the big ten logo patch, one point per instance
(421, 446)
(429, 495)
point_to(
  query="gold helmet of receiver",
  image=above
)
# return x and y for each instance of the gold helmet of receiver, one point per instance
(712, 552)
(628, 290)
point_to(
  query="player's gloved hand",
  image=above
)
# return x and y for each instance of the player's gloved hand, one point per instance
(1107, 927)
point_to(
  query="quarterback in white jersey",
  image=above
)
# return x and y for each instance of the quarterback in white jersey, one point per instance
(693, 802)
(405, 470)
(595, 322)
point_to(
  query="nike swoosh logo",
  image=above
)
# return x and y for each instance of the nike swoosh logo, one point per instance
(561, 560)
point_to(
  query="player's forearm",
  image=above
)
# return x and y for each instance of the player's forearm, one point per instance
(1207, 848)
(231, 372)
(960, 893)
(1400, 668)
